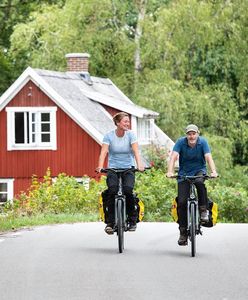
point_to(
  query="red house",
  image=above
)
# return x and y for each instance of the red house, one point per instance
(58, 119)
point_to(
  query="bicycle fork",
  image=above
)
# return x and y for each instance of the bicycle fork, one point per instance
(195, 205)
(122, 199)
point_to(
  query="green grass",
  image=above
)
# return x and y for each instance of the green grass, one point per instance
(8, 223)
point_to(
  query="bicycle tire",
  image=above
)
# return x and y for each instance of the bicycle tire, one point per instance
(120, 226)
(192, 229)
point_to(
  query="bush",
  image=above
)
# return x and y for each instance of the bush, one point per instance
(232, 203)
(67, 196)
(157, 156)
(157, 193)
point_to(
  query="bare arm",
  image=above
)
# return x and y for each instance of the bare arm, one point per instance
(103, 154)
(171, 165)
(135, 149)
(211, 164)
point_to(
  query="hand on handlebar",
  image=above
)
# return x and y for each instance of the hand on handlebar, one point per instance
(214, 174)
(98, 170)
(170, 174)
(141, 168)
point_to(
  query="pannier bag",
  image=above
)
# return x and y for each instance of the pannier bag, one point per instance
(213, 213)
(103, 209)
(174, 210)
(140, 206)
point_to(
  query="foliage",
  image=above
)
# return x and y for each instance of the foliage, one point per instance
(190, 44)
(157, 192)
(12, 222)
(13, 12)
(6, 71)
(232, 203)
(95, 26)
(156, 156)
(65, 195)
(221, 149)
(236, 177)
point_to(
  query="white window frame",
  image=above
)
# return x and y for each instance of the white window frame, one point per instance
(38, 144)
(85, 181)
(10, 189)
(145, 131)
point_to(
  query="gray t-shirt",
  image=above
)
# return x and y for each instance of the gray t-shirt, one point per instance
(120, 149)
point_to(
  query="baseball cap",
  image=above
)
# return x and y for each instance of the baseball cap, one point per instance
(191, 127)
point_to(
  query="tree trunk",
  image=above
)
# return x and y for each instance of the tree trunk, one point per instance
(141, 4)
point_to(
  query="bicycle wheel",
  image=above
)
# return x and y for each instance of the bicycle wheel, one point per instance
(120, 226)
(192, 229)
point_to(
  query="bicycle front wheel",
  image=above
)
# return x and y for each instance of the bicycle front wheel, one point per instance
(120, 226)
(192, 229)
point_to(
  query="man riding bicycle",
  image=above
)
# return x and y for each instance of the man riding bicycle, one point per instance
(122, 148)
(193, 152)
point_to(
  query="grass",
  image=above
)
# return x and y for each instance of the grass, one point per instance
(8, 223)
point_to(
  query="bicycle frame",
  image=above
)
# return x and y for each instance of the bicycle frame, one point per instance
(193, 200)
(120, 197)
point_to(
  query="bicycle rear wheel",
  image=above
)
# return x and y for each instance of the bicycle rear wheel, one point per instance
(192, 229)
(120, 226)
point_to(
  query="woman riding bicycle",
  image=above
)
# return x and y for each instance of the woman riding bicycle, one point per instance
(122, 147)
(193, 152)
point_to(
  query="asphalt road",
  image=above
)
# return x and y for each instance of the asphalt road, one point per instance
(79, 261)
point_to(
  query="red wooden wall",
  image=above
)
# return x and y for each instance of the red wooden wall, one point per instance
(77, 153)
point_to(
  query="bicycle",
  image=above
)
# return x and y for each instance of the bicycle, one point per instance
(120, 225)
(193, 216)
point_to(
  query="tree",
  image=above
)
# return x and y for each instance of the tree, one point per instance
(12, 12)
(191, 44)
(190, 56)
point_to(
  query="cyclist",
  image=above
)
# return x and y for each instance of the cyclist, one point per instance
(193, 152)
(122, 147)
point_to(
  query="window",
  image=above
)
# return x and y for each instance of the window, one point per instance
(31, 128)
(85, 181)
(145, 130)
(6, 190)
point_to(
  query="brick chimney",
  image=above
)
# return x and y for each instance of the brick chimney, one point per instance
(77, 62)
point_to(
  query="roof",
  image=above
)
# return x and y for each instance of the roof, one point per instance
(80, 100)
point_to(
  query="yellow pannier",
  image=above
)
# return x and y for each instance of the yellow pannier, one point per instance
(213, 212)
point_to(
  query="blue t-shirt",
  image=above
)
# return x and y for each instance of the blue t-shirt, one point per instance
(191, 160)
(120, 149)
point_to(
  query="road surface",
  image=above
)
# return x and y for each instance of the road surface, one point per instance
(79, 261)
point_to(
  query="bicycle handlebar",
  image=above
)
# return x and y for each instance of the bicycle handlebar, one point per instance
(185, 177)
(105, 170)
